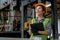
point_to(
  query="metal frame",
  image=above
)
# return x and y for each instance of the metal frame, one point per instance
(23, 3)
(22, 20)
(54, 19)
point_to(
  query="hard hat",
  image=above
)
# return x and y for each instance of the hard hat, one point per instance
(41, 4)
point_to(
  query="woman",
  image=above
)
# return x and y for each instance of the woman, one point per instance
(40, 10)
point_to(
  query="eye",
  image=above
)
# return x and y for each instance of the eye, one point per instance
(40, 8)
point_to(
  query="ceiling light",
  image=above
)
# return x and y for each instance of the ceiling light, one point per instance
(48, 4)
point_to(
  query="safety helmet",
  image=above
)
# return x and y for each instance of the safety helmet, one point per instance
(43, 6)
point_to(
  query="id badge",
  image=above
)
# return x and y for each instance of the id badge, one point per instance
(37, 38)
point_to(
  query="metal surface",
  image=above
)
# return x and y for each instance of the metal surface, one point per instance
(43, 1)
(23, 3)
(4, 3)
(54, 19)
(22, 21)
(39, 1)
(5, 38)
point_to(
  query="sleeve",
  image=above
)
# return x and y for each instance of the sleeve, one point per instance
(48, 29)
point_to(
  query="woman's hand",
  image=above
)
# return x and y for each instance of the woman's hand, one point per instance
(43, 32)
(30, 33)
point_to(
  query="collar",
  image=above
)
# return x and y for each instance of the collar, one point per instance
(41, 19)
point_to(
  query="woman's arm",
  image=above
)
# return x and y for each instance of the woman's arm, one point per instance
(29, 30)
(30, 33)
(43, 32)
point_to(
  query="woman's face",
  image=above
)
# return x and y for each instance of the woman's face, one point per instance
(39, 10)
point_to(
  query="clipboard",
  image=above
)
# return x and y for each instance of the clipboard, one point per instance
(37, 27)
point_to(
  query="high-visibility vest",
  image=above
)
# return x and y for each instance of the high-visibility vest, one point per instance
(45, 22)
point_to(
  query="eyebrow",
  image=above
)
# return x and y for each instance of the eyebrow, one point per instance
(38, 8)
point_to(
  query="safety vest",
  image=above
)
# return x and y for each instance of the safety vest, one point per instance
(45, 22)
